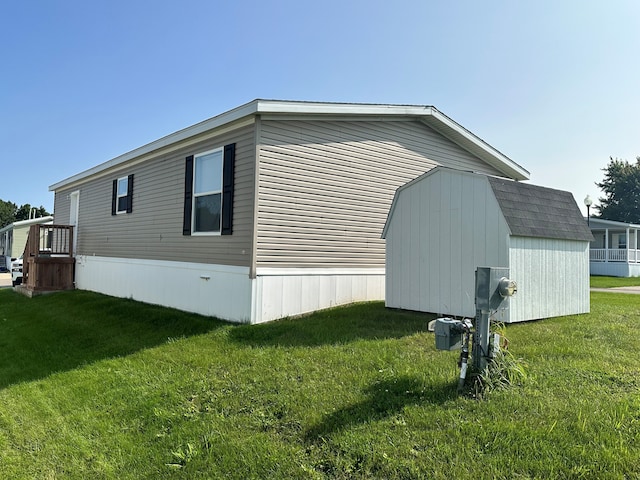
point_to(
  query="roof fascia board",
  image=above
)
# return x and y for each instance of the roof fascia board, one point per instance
(306, 108)
(22, 223)
(159, 147)
(611, 223)
(454, 132)
(429, 115)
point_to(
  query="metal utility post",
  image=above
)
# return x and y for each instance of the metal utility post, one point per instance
(493, 289)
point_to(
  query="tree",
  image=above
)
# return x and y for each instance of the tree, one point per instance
(621, 186)
(10, 212)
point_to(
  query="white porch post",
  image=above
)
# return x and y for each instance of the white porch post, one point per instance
(628, 247)
(606, 244)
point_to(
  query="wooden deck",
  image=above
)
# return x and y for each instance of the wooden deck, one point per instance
(48, 264)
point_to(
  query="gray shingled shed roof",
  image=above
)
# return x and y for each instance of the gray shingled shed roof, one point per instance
(533, 211)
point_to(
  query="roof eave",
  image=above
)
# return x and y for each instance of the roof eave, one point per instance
(428, 114)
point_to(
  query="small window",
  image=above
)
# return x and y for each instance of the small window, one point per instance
(122, 195)
(207, 192)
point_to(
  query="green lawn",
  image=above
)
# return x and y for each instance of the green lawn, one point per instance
(608, 282)
(96, 387)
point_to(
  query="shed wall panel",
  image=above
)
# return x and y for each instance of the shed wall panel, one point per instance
(552, 277)
(457, 228)
(325, 187)
(153, 230)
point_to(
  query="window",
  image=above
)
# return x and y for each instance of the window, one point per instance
(207, 192)
(208, 200)
(122, 195)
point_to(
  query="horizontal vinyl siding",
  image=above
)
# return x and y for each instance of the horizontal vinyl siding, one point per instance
(325, 187)
(153, 230)
(62, 207)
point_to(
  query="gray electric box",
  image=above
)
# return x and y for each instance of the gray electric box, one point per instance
(448, 334)
(493, 288)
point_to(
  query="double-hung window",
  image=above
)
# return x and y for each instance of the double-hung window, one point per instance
(207, 192)
(122, 195)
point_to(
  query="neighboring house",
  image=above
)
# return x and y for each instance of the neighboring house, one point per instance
(614, 250)
(269, 210)
(446, 223)
(13, 238)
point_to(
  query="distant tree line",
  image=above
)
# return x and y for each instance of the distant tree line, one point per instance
(621, 187)
(10, 212)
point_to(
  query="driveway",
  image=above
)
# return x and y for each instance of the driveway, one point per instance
(5, 280)
(635, 290)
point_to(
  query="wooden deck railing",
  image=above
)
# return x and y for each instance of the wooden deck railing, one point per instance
(48, 262)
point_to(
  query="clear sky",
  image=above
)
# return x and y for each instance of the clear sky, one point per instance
(554, 85)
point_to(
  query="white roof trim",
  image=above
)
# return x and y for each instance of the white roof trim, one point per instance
(610, 223)
(23, 223)
(429, 115)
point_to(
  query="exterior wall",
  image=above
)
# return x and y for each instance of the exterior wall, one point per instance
(214, 290)
(442, 228)
(615, 269)
(552, 278)
(20, 235)
(153, 231)
(325, 187)
(283, 293)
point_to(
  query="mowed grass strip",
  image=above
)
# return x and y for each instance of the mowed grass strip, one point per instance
(97, 387)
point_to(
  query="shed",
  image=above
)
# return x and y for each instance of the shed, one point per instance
(447, 222)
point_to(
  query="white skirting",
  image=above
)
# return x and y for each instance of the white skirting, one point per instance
(227, 292)
(215, 290)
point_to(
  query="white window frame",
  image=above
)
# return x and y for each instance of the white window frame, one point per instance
(120, 195)
(195, 195)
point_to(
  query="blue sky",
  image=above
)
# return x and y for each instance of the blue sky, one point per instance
(552, 85)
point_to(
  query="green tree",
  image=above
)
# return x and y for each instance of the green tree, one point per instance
(621, 187)
(10, 212)
(7, 213)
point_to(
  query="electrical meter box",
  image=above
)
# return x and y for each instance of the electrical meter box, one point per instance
(448, 334)
(493, 288)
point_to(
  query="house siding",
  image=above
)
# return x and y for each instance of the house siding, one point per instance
(552, 277)
(325, 187)
(153, 230)
(443, 226)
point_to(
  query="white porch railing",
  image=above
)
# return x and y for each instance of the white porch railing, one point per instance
(614, 255)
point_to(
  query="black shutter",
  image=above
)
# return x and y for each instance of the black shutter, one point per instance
(188, 194)
(227, 188)
(130, 193)
(114, 196)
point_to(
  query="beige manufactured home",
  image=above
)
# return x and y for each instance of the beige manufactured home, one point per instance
(272, 209)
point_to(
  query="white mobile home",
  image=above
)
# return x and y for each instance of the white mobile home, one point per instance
(268, 210)
(446, 223)
(615, 250)
(13, 238)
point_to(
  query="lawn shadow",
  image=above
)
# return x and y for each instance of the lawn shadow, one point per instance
(60, 332)
(384, 399)
(360, 321)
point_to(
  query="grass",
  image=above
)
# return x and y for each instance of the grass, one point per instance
(610, 282)
(96, 387)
